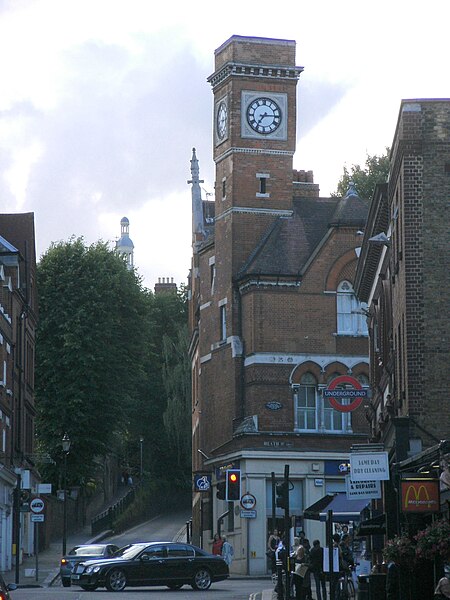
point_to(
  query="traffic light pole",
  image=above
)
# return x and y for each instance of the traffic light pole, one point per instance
(17, 525)
(287, 522)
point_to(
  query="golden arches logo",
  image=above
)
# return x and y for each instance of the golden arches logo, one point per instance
(417, 493)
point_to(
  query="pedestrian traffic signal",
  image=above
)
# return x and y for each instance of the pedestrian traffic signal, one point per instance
(282, 490)
(233, 484)
(221, 490)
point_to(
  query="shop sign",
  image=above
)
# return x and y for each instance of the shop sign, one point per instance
(369, 466)
(362, 489)
(420, 495)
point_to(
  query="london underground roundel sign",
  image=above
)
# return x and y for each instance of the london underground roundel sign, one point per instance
(334, 394)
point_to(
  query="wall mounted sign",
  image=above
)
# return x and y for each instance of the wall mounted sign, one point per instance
(334, 394)
(273, 405)
(362, 489)
(420, 495)
(202, 482)
(369, 466)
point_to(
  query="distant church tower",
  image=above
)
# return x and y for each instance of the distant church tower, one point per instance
(124, 245)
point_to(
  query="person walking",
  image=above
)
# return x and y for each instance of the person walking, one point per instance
(301, 575)
(227, 551)
(316, 568)
(217, 545)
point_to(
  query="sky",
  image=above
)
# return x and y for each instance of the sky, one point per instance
(102, 101)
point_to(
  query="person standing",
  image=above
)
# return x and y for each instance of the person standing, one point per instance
(227, 551)
(316, 568)
(272, 545)
(302, 583)
(217, 545)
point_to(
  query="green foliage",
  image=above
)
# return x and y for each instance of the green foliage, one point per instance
(376, 170)
(88, 351)
(177, 384)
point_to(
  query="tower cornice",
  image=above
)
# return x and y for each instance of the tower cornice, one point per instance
(237, 69)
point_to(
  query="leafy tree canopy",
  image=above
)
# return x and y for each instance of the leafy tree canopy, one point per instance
(365, 178)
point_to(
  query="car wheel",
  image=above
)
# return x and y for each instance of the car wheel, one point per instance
(116, 580)
(65, 581)
(174, 586)
(88, 588)
(202, 579)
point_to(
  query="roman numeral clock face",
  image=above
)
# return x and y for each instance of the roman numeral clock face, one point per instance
(264, 115)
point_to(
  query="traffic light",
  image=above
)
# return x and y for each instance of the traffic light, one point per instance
(233, 484)
(282, 490)
(221, 490)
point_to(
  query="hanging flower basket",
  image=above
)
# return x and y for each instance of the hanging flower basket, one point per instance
(401, 550)
(434, 541)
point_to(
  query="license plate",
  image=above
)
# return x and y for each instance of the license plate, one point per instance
(75, 577)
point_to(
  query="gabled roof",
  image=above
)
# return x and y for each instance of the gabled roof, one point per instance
(290, 242)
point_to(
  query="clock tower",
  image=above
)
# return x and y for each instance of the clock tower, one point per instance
(254, 86)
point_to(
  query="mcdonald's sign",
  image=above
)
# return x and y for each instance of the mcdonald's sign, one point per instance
(420, 495)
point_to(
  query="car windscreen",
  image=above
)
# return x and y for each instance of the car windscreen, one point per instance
(87, 551)
(129, 552)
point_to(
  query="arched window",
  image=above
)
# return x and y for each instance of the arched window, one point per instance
(351, 314)
(306, 403)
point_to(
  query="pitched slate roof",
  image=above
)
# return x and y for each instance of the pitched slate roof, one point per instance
(290, 242)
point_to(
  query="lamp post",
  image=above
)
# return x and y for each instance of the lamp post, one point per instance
(141, 442)
(66, 447)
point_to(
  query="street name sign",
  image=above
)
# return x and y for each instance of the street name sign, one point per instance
(369, 466)
(362, 489)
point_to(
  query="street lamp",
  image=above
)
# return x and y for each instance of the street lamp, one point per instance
(141, 441)
(66, 447)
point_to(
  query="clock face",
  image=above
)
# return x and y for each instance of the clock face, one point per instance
(264, 115)
(222, 121)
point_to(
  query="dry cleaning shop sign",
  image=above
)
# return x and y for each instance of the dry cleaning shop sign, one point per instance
(369, 466)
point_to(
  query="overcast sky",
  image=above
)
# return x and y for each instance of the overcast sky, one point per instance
(102, 101)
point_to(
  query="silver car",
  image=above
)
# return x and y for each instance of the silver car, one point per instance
(81, 553)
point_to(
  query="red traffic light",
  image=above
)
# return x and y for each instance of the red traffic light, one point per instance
(233, 480)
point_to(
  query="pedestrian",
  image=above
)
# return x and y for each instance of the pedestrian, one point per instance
(227, 551)
(334, 577)
(272, 545)
(217, 545)
(302, 576)
(442, 591)
(130, 480)
(392, 581)
(316, 568)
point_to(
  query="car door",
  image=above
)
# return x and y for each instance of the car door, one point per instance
(180, 562)
(151, 564)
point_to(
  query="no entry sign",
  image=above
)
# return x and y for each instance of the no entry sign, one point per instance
(334, 396)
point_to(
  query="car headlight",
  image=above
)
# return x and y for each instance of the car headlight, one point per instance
(92, 569)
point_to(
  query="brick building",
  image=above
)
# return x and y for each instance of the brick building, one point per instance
(403, 276)
(18, 318)
(273, 314)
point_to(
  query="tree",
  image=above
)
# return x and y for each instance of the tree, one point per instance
(177, 384)
(365, 179)
(88, 351)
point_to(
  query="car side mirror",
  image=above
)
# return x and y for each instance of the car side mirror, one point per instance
(11, 587)
(145, 558)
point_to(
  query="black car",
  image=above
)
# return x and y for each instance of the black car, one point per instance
(152, 563)
(5, 589)
(81, 553)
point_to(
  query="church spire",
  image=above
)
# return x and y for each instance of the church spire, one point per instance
(198, 227)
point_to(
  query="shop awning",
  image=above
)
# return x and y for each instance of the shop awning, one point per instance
(374, 526)
(344, 510)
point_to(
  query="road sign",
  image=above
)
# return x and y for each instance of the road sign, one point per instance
(362, 489)
(37, 505)
(248, 514)
(356, 395)
(44, 488)
(37, 518)
(369, 466)
(248, 501)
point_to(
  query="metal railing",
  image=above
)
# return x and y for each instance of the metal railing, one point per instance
(105, 520)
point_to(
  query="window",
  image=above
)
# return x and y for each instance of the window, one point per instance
(224, 189)
(335, 420)
(262, 179)
(223, 323)
(306, 403)
(351, 314)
